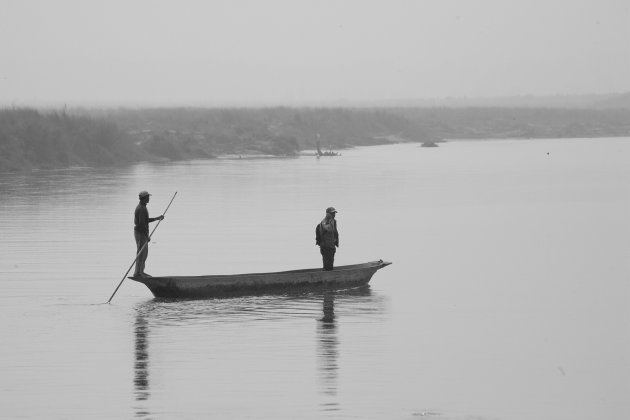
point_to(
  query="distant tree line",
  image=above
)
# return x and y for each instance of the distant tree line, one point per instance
(520, 123)
(32, 138)
(275, 131)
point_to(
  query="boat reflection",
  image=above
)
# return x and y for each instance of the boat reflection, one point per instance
(326, 307)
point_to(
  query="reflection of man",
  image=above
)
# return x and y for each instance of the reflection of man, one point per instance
(327, 237)
(141, 232)
(141, 378)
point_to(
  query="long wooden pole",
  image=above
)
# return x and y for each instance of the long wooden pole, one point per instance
(141, 249)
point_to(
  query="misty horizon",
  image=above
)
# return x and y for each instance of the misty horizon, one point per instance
(301, 53)
(581, 100)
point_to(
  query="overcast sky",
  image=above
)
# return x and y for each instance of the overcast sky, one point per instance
(212, 52)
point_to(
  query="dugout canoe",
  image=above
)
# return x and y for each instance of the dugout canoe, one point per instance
(201, 287)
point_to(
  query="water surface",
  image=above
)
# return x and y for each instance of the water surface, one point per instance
(507, 299)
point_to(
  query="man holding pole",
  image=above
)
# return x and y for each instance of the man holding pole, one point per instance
(141, 232)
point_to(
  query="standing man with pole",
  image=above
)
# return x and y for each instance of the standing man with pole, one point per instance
(327, 237)
(141, 232)
(145, 215)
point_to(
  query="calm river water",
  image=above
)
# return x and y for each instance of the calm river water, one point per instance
(507, 298)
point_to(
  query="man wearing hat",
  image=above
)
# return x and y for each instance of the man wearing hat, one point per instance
(141, 232)
(327, 237)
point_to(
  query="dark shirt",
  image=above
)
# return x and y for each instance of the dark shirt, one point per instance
(326, 234)
(141, 219)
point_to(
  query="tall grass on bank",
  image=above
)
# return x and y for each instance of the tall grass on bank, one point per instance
(33, 139)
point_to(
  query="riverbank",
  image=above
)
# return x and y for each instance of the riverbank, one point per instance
(40, 139)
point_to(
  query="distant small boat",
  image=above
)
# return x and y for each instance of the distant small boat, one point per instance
(199, 287)
(329, 152)
(429, 144)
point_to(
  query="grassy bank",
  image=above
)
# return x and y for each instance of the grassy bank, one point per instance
(32, 138)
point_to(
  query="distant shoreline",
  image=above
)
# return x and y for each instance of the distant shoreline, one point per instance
(33, 139)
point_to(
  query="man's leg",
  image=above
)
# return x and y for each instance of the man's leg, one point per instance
(144, 253)
(331, 259)
(324, 259)
(328, 256)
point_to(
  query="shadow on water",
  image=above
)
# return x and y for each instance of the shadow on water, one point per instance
(141, 367)
(328, 351)
(326, 307)
(357, 301)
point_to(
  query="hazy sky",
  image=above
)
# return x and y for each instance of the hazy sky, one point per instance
(295, 51)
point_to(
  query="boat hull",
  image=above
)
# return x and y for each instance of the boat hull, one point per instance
(202, 287)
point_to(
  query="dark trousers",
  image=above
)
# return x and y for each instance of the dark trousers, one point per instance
(141, 239)
(328, 255)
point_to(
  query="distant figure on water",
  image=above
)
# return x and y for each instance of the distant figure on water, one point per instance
(327, 237)
(141, 232)
(327, 153)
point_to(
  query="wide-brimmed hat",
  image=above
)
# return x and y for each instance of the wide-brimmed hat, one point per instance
(143, 194)
(331, 210)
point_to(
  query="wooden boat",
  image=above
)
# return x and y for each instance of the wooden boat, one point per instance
(199, 287)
